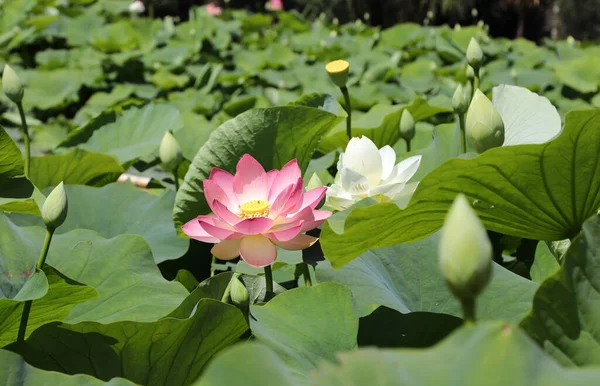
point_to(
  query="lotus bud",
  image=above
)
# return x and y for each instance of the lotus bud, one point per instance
(484, 125)
(170, 152)
(407, 125)
(239, 294)
(314, 182)
(338, 72)
(11, 84)
(474, 54)
(465, 251)
(470, 72)
(460, 103)
(55, 208)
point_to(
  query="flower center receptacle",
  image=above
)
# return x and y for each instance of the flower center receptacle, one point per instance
(254, 209)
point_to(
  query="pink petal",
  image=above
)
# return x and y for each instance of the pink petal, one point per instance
(225, 181)
(305, 214)
(312, 198)
(254, 226)
(294, 202)
(213, 192)
(284, 232)
(250, 181)
(217, 228)
(271, 175)
(223, 213)
(298, 243)
(319, 216)
(227, 249)
(258, 251)
(288, 175)
(193, 229)
(279, 202)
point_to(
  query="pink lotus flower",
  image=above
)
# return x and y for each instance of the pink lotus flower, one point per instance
(275, 5)
(213, 10)
(255, 211)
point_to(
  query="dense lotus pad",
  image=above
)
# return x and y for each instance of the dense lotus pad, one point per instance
(255, 211)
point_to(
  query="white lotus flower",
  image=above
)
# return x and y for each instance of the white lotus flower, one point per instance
(365, 171)
(137, 7)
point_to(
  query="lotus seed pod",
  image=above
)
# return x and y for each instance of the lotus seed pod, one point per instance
(474, 54)
(338, 72)
(11, 84)
(407, 125)
(170, 152)
(239, 294)
(484, 125)
(465, 251)
(460, 103)
(470, 72)
(55, 208)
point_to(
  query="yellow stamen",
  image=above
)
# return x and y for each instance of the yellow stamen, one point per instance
(254, 209)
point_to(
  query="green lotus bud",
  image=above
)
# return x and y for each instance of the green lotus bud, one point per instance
(460, 103)
(239, 294)
(55, 208)
(407, 125)
(170, 152)
(338, 72)
(11, 84)
(484, 126)
(465, 251)
(470, 72)
(474, 54)
(314, 182)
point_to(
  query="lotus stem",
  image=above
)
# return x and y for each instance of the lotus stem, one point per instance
(306, 274)
(176, 178)
(25, 130)
(27, 306)
(468, 306)
(408, 146)
(348, 110)
(268, 279)
(463, 134)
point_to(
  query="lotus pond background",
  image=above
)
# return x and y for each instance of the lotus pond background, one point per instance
(126, 298)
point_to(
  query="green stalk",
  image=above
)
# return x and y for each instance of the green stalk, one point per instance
(176, 178)
(408, 146)
(468, 306)
(463, 134)
(25, 130)
(39, 266)
(348, 110)
(269, 279)
(306, 274)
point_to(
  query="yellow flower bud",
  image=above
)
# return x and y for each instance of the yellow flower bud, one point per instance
(170, 152)
(338, 72)
(484, 126)
(465, 251)
(474, 54)
(407, 125)
(11, 84)
(55, 208)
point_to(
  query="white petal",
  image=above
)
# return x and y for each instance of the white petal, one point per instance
(362, 156)
(337, 198)
(386, 189)
(388, 159)
(353, 182)
(405, 169)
